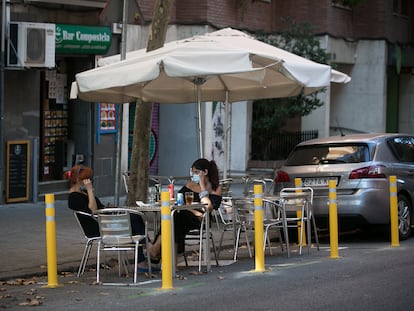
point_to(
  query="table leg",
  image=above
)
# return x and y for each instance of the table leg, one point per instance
(207, 239)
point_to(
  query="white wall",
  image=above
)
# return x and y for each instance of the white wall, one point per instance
(406, 104)
(319, 119)
(241, 114)
(360, 105)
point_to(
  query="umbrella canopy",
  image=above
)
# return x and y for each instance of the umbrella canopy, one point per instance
(228, 65)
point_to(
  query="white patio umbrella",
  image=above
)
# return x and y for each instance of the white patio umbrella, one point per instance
(226, 65)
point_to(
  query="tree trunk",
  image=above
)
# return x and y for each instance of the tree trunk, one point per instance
(139, 165)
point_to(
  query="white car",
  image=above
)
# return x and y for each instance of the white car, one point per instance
(361, 165)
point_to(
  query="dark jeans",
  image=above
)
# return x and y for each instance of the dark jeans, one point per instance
(138, 227)
(184, 221)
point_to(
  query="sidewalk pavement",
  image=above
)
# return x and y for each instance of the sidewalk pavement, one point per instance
(23, 239)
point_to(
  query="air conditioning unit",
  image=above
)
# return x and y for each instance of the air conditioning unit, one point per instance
(31, 45)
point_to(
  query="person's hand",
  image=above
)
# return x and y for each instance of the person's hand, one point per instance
(203, 180)
(88, 184)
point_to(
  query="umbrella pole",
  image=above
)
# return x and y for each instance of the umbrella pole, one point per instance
(226, 138)
(200, 122)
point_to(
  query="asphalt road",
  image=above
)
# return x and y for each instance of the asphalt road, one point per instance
(368, 275)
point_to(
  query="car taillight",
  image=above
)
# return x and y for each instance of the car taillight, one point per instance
(282, 176)
(367, 172)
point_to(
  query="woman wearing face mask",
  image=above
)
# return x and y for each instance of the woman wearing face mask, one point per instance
(82, 198)
(206, 189)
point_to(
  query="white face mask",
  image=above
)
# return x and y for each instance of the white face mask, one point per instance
(195, 178)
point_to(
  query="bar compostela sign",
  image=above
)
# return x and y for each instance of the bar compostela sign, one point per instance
(76, 39)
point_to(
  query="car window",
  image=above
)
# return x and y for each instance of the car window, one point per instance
(403, 148)
(329, 154)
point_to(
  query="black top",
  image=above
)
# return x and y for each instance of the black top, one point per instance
(80, 201)
(215, 198)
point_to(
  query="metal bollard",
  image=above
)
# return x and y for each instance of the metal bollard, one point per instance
(258, 228)
(333, 220)
(395, 239)
(298, 183)
(52, 280)
(166, 243)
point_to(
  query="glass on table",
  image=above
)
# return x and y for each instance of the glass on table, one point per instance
(152, 195)
(189, 197)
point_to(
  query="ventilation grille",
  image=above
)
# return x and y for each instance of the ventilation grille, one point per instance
(35, 45)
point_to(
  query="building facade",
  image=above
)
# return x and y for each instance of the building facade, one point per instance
(372, 41)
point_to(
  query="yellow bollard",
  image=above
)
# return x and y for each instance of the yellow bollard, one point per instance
(298, 183)
(333, 220)
(166, 244)
(395, 239)
(52, 280)
(258, 228)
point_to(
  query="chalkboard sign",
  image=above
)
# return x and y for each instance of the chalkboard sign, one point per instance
(17, 170)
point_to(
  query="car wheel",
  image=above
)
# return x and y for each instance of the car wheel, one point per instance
(404, 217)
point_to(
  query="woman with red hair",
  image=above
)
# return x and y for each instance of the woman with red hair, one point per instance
(82, 198)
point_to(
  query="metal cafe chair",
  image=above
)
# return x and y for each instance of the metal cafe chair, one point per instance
(229, 222)
(199, 235)
(244, 215)
(269, 185)
(244, 211)
(125, 178)
(90, 228)
(293, 200)
(225, 185)
(116, 235)
(272, 220)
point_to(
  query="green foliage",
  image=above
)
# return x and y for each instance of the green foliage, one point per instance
(270, 115)
(297, 39)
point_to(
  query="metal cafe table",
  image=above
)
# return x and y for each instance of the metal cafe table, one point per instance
(156, 208)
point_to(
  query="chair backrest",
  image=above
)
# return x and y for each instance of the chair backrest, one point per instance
(88, 224)
(226, 210)
(225, 185)
(115, 226)
(294, 198)
(125, 178)
(244, 209)
(269, 186)
(271, 210)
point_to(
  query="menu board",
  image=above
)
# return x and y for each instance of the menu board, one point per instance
(17, 170)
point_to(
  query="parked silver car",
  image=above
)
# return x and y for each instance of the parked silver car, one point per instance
(361, 165)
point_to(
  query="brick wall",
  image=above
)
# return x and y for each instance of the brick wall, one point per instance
(370, 19)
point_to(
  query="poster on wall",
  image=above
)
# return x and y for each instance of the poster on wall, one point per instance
(56, 86)
(107, 119)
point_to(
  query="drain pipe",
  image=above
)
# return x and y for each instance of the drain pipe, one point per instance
(4, 23)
